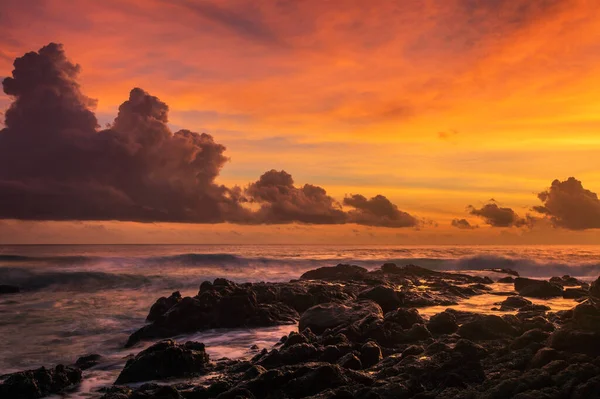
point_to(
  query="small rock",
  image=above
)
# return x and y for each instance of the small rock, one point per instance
(370, 354)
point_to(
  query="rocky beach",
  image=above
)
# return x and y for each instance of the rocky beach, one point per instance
(395, 331)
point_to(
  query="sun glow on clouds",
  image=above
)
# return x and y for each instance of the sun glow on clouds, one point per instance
(353, 98)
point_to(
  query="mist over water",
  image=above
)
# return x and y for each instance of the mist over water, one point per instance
(83, 299)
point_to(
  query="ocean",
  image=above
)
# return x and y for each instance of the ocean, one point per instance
(82, 299)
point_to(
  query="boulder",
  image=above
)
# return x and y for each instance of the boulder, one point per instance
(595, 288)
(370, 354)
(442, 323)
(165, 359)
(405, 318)
(386, 297)
(506, 280)
(487, 327)
(514, 302)
(566, 281)
(331, 315)
(34, 384)
(350, 361)
(576, 341)
(162, 305)
(575, 293)
(537, 288)
(340, 272)
(87, 361)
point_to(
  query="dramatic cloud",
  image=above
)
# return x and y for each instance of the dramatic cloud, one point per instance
(377, 211)
(497, 216)
(462, 224)
(282, 202)
(571, 206)
(56, 165)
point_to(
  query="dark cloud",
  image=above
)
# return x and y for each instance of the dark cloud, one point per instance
(377, 211)
(56, 165)
(463, 224)
(282, 202)
(568, 204)
(497, 216)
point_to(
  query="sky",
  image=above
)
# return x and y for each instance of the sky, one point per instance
(412, 122)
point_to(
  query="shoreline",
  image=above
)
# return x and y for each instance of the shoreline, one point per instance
(337, 314)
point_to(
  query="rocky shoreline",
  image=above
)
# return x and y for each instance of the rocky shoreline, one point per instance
(360, 335)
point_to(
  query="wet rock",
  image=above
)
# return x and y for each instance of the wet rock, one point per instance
(38, 383)
(529, 337)
(514, 302)
(566, 281)
(370, 354)
(544, 356)
(341, 272)
(487, 327)
(575, 293)
(577, 341)
(442, 323)
(405, 318)
(586, 315)
(162, 305)
(350, 361)
(595, 288)
(386, 297)
(87, 361)
(165, 359)
(9, 289)
(537, 288)
(330, 315)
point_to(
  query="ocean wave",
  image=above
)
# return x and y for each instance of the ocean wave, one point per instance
(29, 280)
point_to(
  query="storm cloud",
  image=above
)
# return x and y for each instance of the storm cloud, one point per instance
(55, 163)
(497, 216)
(377, 211)
(568, 204)
(462, 224)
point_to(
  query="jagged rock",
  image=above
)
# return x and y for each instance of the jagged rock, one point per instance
(405, 318)
(38, 383)
(340, 272)
(350, 361)
(330, 315)
(87, 361)
(162, 305)
(566, 281)
(595, 288)
(386, 297)
(529, 337)
(544, 356)
(537, 288)
(442, 323)
(487, 327)
(165, 359)
(370, 354)
(577, 341)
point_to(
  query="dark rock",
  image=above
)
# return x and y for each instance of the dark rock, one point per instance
(341, 272)
(544, 356)
(529, 337)
(566, 281)
(587, 342)
(386, 297)
(162, 305)
(350, 361)
(370, 354)
(405, 318)
(487, 327)
(442, 323)
(331, 315)
(537, 288)
(413, 350)
(165, 359)
(595, 288)
(34, 384)
(503, 271)
(514, 302)
(9, 289)
(87, 361)
(575, 293)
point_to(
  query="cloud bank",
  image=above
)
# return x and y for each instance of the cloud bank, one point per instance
(497, 216)
(568, 204)
(56, 165)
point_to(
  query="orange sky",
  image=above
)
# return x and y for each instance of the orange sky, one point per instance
(435, 104)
